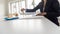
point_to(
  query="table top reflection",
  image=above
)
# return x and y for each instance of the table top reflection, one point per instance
(36, 25)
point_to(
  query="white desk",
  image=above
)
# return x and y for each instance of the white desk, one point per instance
(29, 26)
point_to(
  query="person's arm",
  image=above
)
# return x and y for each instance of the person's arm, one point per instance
(34, 9)
(55, 6)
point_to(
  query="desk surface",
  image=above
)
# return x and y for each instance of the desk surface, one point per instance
(29, 26)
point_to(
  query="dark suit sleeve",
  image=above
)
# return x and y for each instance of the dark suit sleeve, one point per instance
(55, 6)
(34, 9)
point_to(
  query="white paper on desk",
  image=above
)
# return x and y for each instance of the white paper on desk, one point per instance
(27, 14)
(30, 15)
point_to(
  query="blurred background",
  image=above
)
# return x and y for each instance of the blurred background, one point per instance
(34, 25)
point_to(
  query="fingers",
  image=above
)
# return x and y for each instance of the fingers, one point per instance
(39, 15)
(22, 9)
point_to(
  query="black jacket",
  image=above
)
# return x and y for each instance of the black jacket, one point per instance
(51, 8)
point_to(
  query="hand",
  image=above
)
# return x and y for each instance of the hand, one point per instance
(22, 9)
(41, 14)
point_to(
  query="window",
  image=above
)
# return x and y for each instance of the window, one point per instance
(14, 7)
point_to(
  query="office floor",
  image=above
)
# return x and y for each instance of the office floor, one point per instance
(29, 26)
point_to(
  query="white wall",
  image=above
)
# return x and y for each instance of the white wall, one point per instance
(3, 8)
